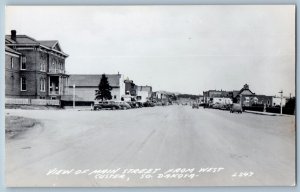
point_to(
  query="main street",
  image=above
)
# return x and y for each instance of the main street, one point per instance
(160, 137)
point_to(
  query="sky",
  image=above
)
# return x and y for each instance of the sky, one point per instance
(185, 49)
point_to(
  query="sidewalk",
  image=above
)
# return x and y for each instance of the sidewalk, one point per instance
(266, 113)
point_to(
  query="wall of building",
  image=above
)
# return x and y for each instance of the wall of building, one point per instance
(250, 100)
(12, 76)
(277, 100)
(30, 74)
(88, 93)
(222, 100)
(122, 85)
(142, 96)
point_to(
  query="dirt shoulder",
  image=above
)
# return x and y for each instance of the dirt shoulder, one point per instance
(15, 125)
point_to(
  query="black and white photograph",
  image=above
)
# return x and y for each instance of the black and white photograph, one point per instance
(150, 95)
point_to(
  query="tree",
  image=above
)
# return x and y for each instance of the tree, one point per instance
(104, 89)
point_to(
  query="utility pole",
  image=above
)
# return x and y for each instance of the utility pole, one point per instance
(281, 94)
(74, 96)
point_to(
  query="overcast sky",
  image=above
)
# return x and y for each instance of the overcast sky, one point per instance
(187, 49)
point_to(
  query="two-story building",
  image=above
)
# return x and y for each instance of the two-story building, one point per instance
(34, 69)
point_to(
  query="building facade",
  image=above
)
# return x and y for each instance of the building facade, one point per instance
(143, 93)
(86, 86)
(217, 96)
(34, 69)
(130, 87)
(244, 96)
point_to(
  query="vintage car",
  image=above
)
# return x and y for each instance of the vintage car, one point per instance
(236, 108)
(148, 104)
(106, 105)
(217, 105)
(123, 105)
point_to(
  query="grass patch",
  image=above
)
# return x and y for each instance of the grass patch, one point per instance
(14, 125)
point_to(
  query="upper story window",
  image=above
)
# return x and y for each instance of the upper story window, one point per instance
(23, 84)
(42, 85)
(12, 63)
(42, 67)
(23, 63)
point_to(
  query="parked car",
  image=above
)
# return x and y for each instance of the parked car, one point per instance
(123, 105)
(148, 104)
(158, 103)
(139, 104)
(236, 108)
(195, 106)
(132, 104)
(217, 106)
(106, 105)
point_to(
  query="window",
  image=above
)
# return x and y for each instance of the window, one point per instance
(23, 63)
(12, 63)
(23, 59)
(42, 85)
(23, 84)
(115, 97)
(42, 67)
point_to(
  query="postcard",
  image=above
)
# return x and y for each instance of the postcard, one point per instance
(158, 96)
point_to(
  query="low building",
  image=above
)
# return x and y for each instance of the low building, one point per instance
(217, 96)
(252, 100)
(244, 96)
(143, 93)
(86, 86)
(221, 100)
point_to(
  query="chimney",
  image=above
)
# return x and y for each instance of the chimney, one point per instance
(13, 35)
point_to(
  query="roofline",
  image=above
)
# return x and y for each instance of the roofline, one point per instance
(96, 74)
(13, 51)
(66, 55)
(89, 86)
(38, 44)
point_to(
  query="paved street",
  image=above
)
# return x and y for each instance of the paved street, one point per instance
(159, 137)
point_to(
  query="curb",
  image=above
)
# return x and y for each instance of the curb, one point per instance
(265, 113)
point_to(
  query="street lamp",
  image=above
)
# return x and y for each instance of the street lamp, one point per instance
(74, 96)
(281, 93)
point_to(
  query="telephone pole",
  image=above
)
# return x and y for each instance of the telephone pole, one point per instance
(281, 95)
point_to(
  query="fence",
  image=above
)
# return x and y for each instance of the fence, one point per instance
(18, 101)
(285, 110)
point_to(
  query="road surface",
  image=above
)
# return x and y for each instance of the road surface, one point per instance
(247, 149)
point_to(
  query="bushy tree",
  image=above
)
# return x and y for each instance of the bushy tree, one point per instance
(104, 89)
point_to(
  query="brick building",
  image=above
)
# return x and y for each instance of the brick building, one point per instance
(34, 69)
(130, 87)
